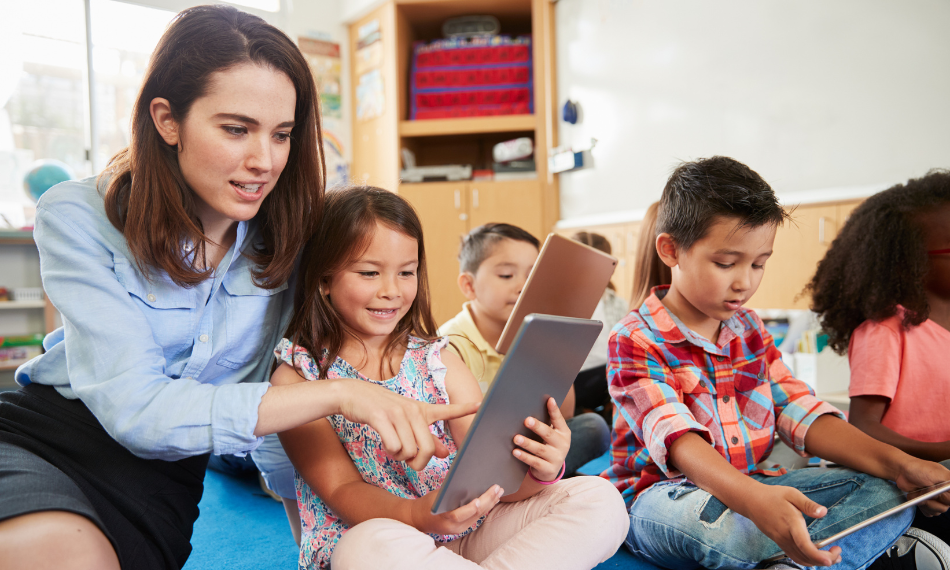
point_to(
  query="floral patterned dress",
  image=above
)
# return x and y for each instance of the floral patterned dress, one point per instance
(421, 377)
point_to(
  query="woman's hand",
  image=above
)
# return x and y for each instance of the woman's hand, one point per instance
(777, 512)
(919, 474)
(402, 423)
(452, 522)
(545, 458)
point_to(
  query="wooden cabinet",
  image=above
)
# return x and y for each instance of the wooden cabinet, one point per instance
(799, 245)
(448, 210)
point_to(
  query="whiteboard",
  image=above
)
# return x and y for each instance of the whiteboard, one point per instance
(809, 93)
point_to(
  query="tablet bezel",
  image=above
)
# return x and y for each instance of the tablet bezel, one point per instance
(941, 489)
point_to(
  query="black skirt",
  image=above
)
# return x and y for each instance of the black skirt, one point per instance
(56, 456)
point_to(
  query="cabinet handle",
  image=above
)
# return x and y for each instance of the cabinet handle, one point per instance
(475, 197)
(463, 216)
(821, 230)
(458, 199)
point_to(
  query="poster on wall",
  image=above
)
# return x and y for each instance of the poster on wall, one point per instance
(327, 69)
(369, 96)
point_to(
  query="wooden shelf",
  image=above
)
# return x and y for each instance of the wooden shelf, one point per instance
(467, 125)
(41, 304)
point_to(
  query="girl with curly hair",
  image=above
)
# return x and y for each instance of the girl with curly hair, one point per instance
(883, 296)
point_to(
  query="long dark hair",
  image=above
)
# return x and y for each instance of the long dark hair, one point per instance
(649, 270)
(350, 219)
(878, 261)
(147, 198)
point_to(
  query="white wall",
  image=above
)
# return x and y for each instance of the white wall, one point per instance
(811, 94)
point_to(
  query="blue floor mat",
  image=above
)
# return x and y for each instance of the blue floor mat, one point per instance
(240, 528)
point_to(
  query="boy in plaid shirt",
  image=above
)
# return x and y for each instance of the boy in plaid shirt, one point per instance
(700, 391)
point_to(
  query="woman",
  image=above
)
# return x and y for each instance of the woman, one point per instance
(173, 272)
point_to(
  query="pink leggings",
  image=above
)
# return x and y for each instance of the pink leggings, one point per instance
(572, 525)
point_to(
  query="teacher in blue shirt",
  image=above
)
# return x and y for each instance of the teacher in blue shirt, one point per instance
(173, 272)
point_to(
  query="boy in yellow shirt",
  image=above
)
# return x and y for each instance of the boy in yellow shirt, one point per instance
(494, 263)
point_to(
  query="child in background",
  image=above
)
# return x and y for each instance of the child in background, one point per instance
(590, 386)
(649, 270)
(362, 311)
(701, 391)
(494, 263)
(883, 295)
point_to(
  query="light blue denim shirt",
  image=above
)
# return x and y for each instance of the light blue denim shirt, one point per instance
(170, 372)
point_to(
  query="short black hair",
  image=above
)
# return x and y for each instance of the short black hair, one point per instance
(878, 261)
(477, 245)
(700, 191)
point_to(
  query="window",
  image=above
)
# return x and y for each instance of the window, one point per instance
(44, 79)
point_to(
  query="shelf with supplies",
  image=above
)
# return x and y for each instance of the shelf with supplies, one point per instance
(29, 313)
(403, 63)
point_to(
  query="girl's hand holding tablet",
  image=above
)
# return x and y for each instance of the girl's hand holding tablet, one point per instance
(545, 458)
(452, 522)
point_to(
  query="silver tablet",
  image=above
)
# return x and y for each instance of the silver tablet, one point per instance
(938, 490)
(544, 358)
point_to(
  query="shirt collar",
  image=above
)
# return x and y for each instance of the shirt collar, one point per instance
(467, 327)
(668, 328)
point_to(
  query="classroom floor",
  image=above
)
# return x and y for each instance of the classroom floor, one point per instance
(241, 528)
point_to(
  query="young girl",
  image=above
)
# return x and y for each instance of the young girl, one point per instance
(362, 311)
(649, 270)
(883, 294)
(590, 386)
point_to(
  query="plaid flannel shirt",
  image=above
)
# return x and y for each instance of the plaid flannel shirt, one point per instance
(665, 381)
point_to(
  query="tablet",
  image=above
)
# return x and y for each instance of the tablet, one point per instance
(567, 280)
(545, 357)
(939, 489)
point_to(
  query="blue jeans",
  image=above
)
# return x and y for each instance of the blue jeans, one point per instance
(679, 526)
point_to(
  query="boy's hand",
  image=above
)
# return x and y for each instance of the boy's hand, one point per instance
(777, 512)
(545, 459)
(919, 474)
(456, 521)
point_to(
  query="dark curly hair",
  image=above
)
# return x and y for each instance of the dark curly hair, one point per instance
(878, 261)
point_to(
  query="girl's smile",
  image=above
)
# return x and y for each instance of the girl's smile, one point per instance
(376, 290)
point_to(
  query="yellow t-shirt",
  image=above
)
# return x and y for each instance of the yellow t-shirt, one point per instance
(480, 357)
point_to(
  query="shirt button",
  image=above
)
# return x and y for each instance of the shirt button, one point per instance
(702, 383)
(735, 440)
(725, 399)
(719, 358)
(203, 338)
(151, 297)
(760, 376)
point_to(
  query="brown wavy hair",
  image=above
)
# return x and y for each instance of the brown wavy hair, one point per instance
(349, 222)
(649, 270)
(147, 198)
(878, 261)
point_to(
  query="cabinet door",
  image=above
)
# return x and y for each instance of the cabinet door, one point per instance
(799, 246)
(516, 202)
(440, 206)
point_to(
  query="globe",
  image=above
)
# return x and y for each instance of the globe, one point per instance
(43, 175)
